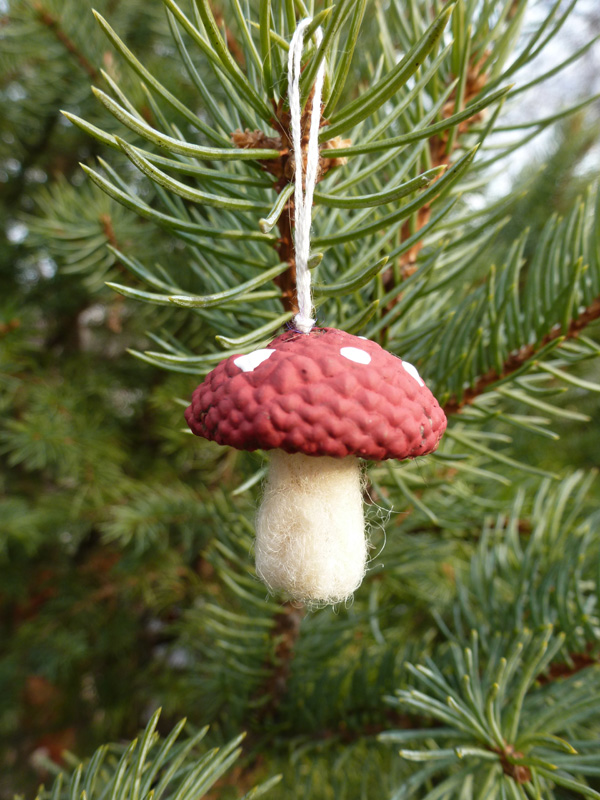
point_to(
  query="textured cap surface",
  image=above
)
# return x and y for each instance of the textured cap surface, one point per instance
(325, 393)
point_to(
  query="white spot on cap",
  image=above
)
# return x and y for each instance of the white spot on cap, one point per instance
(250, 361)
(413, 372)
(362, 337)
(356, 354)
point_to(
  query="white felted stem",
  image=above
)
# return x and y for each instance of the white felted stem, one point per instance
(310, 529)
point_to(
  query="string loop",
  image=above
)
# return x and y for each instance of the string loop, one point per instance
(306, 179)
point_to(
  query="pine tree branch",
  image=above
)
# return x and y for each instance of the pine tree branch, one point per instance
(283, 169)
(109, 231)
(111, 239)
(285, 633)
(562, 670)
(9, 327)
(115, 310)
(280, 169)
(54, 25)
(441, 148)
(32, 154)
(232, 42)
(518, 772)
(518, 359)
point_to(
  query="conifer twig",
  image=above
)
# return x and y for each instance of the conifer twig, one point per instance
(54, 25)
(285, 634)
(441, 147)
(8, 327)
(516, 360)
(232, 42)
(282, 169)
(559, 670)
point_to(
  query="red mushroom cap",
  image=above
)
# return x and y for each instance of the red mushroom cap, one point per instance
(325, 393)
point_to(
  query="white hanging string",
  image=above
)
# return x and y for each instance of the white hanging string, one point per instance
(305, 184)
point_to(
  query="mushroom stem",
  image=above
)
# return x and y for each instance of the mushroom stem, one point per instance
(310, 528)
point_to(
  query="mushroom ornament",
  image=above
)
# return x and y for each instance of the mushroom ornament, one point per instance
(320, 401)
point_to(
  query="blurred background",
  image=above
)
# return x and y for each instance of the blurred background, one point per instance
(103, 509)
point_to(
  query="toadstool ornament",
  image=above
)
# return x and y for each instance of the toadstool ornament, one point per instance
(320, 401)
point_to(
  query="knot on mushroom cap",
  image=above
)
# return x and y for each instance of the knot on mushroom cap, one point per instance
(325, 393)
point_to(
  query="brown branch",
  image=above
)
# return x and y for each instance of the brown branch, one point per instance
(285, 249)
(278, 168)
(115, 311)
(579, 662)
(9, 327)
(282, 169)
(285, 633)
(520, 773)
(232, 43)
(108, 230)
(54, 25)
(516, 360)
(440, 155)
(33, 152)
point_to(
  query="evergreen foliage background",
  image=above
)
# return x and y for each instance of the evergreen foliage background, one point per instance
(467, 665)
